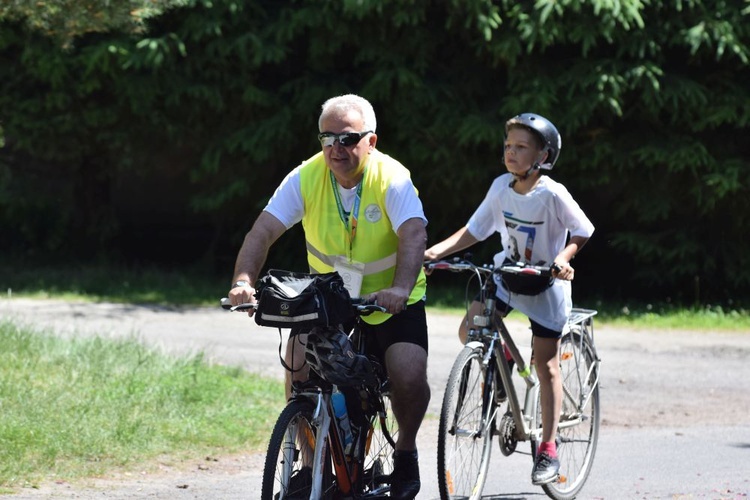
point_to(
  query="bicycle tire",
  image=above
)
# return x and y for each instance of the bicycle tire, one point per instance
(464, 437)
(381, 443)
(292, 445)
(576, 444)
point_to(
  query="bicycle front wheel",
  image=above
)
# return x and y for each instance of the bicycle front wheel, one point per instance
(578, 431)
(381, 444)
(464, 437)
(288, 468)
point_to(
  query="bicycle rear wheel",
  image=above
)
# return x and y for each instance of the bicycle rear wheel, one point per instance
(464, 437)
(578, 431)
(287, 472)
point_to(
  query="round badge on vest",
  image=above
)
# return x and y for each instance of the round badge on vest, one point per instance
(373, 213)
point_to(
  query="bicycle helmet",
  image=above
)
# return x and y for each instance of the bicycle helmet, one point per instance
(545, 130)
(330, 353)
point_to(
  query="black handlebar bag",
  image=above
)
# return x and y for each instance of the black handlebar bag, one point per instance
(299, 300)
(525, 284)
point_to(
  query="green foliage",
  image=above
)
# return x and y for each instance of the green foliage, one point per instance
(66, 19)
(201, 114)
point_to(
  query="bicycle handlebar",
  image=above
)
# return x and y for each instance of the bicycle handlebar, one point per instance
(225, 304)
(362, 306)
(458, 264)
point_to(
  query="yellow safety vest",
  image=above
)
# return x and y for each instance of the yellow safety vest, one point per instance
(375, 243)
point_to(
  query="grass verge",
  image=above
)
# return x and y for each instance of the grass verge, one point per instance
(76, 408)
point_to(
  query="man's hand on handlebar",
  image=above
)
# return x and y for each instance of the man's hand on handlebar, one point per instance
(393, 299)
(243, 295)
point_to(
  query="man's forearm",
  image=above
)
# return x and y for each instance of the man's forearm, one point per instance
(254, 252)
(411, 248)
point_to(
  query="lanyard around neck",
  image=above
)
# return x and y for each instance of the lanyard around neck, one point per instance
(351, 229)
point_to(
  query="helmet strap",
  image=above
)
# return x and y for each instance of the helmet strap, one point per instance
(525, 175)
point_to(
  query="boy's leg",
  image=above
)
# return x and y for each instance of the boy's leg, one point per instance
(467, 322)
(548, 370)
(475, 309)
(546, 465)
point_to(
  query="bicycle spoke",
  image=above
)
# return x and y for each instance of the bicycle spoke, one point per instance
(579, 423)
(464, 440)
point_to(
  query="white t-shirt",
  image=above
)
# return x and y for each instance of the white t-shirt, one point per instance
(401, 200)
(534, 229)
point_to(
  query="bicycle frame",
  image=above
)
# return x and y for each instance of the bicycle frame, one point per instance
(481, 400)
(314, 397)
(494, 358)
(492, 330)
(349, 468)
(328, 439)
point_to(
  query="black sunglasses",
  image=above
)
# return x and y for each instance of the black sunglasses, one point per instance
(328, 139)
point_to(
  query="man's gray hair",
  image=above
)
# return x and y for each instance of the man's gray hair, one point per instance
(348, 102)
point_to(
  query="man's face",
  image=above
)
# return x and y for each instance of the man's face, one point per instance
(521, 151)
(346, 162)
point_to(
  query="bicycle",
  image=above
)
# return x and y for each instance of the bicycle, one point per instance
(307, 433)
(481, 400)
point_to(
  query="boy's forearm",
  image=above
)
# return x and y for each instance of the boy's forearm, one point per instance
(574, 246)
(458, 241)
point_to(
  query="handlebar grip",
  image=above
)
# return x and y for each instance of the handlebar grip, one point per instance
(226, 304)
(365, 307)
(528, 269)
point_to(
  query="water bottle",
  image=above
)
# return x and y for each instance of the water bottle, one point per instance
(342, 417)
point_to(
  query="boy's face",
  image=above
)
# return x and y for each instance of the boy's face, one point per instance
(522, 151)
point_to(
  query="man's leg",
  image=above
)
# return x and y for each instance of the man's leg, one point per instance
(410, 395)
(410, 392)
(295, 359)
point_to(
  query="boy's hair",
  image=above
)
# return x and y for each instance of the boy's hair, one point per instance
(515, 123)
(545, 132)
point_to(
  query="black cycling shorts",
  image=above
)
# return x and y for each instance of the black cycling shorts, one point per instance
(537, 330)
(410, 325)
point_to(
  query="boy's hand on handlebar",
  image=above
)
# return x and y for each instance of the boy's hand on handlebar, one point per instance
(243, 295)
(426, 266)
(563, 271)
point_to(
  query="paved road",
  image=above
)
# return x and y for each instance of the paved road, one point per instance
(675, 404)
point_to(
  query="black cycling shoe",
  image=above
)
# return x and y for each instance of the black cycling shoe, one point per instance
(545, 469)
(405, 482)
(300, 484)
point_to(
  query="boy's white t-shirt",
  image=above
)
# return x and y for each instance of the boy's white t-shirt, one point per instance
(534, 229)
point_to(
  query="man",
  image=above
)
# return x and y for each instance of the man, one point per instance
(362, 217)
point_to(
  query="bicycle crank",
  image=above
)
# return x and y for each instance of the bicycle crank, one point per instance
(507, 435)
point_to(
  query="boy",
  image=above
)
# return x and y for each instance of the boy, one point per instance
(540, 224)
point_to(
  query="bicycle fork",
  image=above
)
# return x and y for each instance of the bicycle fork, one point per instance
(322, 420)
(326, 441)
